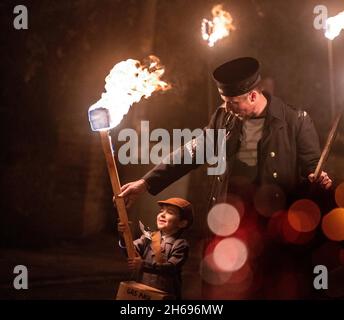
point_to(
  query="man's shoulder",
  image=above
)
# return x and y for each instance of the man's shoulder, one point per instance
(291, 112)
(299, 112)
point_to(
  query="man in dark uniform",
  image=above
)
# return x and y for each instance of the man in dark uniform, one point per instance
(267, 140)
(267, 143)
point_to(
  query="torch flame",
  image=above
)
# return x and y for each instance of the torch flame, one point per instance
(127, 83)
(334, 25)
(219, 27)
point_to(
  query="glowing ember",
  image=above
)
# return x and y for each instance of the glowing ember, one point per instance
(333, 224)
(230, 254)
(223, 219)
(334, 25)
(219, 27)
(127, 83)
(304, 215)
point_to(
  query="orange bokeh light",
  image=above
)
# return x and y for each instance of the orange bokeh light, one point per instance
(279, 229)
(304, 215)
(290, 235)
(333, 224)
(339, 195)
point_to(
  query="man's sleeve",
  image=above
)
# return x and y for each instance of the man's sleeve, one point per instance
(308, 147)
(164, 174)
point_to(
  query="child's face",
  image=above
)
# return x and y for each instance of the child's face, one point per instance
(168, 219)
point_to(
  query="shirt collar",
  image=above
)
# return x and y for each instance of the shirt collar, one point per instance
(170, 238)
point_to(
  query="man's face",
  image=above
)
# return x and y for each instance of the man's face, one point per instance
(168, 219)
(240, 105)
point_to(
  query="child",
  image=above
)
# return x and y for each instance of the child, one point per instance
(161, 254)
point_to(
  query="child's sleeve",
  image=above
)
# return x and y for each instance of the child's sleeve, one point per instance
(139, 245)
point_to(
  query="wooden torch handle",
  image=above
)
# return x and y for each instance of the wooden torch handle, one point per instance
(116, 188)
(330, 139)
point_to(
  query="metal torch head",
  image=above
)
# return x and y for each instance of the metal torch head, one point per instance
(99, 119)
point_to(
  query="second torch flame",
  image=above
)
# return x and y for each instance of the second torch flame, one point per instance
(334, 25)
(219, 27)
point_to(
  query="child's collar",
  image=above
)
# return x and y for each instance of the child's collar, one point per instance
(167, 237)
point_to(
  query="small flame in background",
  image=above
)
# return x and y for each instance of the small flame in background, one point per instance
(334, 25)
(219, 27)
(127, 83)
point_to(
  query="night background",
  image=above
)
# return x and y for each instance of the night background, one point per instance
(56, 214)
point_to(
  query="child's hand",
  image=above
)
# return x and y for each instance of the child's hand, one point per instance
(121, 227)
(135, 263)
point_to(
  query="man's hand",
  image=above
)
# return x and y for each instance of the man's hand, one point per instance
(324, 180)
(131, 191)
(135, 263)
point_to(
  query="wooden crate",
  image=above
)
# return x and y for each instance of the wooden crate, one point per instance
(132, 290)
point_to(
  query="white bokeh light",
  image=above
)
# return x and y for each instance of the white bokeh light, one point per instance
(223, 219)
(230, 254)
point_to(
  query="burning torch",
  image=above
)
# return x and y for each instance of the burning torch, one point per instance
(219, 27)
(334, 25)
(212, 31)
(127, 82)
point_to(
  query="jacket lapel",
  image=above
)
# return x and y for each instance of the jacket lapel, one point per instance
(275, 119)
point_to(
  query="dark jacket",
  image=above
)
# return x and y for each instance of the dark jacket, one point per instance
(287, 152)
